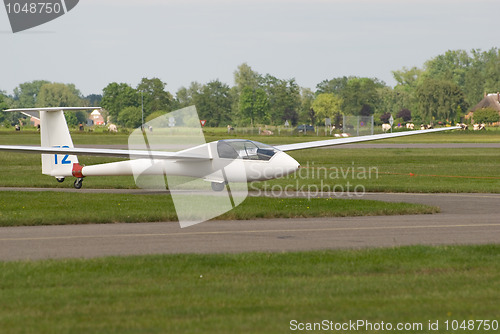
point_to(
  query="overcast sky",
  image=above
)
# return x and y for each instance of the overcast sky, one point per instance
(180, 41)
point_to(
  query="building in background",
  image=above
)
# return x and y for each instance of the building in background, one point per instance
(96, 118)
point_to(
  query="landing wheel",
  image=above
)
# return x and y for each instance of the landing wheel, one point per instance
(60, 179)
(216, 186)
(78, 183)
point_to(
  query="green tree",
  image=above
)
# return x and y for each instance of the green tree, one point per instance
(491, 71)
(3, 106)
(246, 80)
(25, 96)
(186, 97)
(450, 66)
(459, 67)
(93, 100)
(214, 103)
(283, 96)
(71, 118)
(327, 105)
(404, 114)
(290, 115)
(8, 118)
(3, 101)
(265, 99)
(245, 77)
(384, 118)
(253, 106)
(474, 73)
(440, 100)
(366, 110)
(58, 95)
(154, 115)
(360, 92)
(130, 117)
(116, 97)
(407, 77)
(389, 100)
(62, 95)
(155, 96)
(306, 102)
(333, 86)
(312, 116)
(486, 115)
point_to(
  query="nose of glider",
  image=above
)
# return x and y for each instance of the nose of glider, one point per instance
(288, 164)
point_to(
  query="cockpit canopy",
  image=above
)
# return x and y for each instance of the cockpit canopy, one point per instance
(244, 149)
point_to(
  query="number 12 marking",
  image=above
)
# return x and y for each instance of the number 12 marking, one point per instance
(64, 160)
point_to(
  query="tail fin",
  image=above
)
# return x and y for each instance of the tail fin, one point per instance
(55, 133)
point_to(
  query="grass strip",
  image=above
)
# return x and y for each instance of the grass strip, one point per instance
(371, 169)
(32, 137)
(55, 208)
(250, 292)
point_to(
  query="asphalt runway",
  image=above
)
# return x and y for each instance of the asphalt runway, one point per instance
(465, 219)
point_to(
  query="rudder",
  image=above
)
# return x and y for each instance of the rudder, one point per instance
(54, 132)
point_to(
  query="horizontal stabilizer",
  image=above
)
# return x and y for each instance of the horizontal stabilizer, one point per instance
(52, 109)
(136, 154)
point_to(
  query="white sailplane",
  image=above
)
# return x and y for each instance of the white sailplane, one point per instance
(213, 162)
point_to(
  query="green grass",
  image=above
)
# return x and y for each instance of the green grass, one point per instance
(43, 208)
(435, 170)
(31, 137)
(391, 170)
(250, 293)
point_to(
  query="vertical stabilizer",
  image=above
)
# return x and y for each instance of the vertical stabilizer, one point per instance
(55, 133)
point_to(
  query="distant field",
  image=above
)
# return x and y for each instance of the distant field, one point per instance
(399, 170)
(433, 170)
(252, 293)
(32, 137)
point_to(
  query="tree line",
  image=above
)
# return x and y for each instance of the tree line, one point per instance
(443, 90)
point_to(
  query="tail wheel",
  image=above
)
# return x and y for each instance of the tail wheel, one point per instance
(78, 183)
(60, 179)
(218, 186)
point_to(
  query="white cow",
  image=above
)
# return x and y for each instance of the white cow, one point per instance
(112, 128)
(386, 127)
(478, 127)
(410, 126)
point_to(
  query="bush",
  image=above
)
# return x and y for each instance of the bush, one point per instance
(486, 115)
(154, 115)
(384, 118)
(130, 117)
(405, 114)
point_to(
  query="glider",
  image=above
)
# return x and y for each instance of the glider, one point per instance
(213, 162)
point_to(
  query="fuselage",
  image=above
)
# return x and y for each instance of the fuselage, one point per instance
(238, 160)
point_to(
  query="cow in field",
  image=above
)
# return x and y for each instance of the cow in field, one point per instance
(386, 127)
(479, 127)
